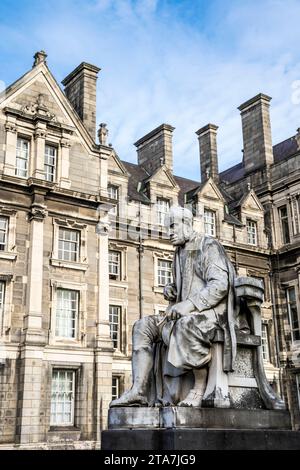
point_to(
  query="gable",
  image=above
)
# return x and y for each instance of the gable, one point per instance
(251, 202)
(163, 177)
(115, 165)
(211, 191)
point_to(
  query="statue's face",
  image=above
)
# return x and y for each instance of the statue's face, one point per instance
(180, 231)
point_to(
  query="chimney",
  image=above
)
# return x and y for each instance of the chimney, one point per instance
(207, 136)
(80, 88)
(155, 149)
(257, 138)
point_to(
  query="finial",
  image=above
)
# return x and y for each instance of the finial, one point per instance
(249, 186)
(207, 171)
(161, 161)
(102, 133)
(39, 57)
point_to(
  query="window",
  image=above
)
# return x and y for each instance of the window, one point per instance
(3, 233)
(163, 207)
(164, 272)
(283, 215)
(265, 342)
(298, 388)
(251, 232)
(209, 222)
(113, 193)
(66, 313)
(50, 162)
(114, 265)
(2, 297)
(68, 244)
(115, 388)
(115, 325)
(62, 397)
(22, 157)
(293, 313)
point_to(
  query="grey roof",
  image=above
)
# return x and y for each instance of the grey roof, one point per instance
(137, 175)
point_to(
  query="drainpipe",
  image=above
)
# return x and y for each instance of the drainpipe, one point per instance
(140, 252)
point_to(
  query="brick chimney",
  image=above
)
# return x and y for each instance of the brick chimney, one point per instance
(257, 138)
(155, 149)
(80, 88)
(207, 137)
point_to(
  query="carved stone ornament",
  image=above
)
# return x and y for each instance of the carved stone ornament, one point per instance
(10, 127)
(39, 108)
(38, 213)
(40, 134)
(65, 143)
(102, 228)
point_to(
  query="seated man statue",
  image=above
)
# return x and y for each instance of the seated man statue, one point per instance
(178, 344)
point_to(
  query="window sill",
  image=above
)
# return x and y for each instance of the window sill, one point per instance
(9, 255)
(63, 433)
(58, 263)
(158, 289)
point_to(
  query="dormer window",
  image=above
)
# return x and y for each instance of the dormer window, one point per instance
(163, 207)
(22, 157)
(251, 232)
(209, 222)
(50, 162)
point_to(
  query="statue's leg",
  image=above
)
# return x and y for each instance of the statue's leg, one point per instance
(145, 334)
(195, 395)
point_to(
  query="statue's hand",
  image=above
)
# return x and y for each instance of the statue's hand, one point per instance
(170, 292)
(179, 310)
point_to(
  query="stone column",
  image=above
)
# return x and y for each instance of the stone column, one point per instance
(31, 415)
(104, 349)
(39, 151)
(11, 146)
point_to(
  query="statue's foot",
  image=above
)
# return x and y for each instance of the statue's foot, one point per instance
(130, 398)
(194, 398)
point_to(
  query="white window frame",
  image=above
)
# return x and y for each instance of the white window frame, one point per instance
(5, 230)
(162, 209)
(20, 157)
(51, 174)
(252, 235)
(82, 263)
(63, 253)
(113, 192)
(119, 344)
(80, 338)
(288, 302)
(71, 422)
(2, 307)
(166, 269)
(282, 221)
(10, 247)
(265, 344)
(115, 276)
(75, 313)
(210, 222)
(117, 386)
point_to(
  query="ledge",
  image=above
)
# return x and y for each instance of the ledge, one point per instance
(58, 263)
(8, 255)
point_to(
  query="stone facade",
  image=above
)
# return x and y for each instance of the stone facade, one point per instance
(123, 255)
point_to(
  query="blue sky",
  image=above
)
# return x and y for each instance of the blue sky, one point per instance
(184, 62)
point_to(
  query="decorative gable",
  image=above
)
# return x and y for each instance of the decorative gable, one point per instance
(210, 191)
(251, 202)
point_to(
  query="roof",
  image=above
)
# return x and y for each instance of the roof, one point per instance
(137, 175)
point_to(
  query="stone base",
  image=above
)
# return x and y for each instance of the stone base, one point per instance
(188, 417)
(199, 439)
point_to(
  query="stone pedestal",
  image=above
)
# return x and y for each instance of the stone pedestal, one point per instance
(181, 428)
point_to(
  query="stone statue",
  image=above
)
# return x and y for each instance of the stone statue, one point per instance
(187, 356)
(170, 353)
(102, 134)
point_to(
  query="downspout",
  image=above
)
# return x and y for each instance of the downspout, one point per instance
(140, 252)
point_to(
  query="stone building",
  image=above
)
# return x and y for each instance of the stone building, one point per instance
(84, 252)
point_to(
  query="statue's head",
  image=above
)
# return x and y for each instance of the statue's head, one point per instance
(180, 222)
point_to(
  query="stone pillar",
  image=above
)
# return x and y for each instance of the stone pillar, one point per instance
(11, 146)
(39, 151)
(207, 136)
(257, 138)
(64, 163)
(31, 417)
(104, 348)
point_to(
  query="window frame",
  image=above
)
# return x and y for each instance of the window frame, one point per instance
(115, 276)
(161, 214)
(6, 232)
(209, 223)
(249, 233)
(296, 302)
(76, 316)
(119, 343)
(159, 269)
(114, 210)
(47, 165)
(18, 157)
(71, 423)
(118, 386)
(284, 222)
(76, 242)
(2, 306)
(265, 342)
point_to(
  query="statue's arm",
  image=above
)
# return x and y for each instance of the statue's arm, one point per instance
(216, 279)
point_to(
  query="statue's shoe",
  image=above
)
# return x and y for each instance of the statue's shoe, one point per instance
(130, 398)
(194, 398)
